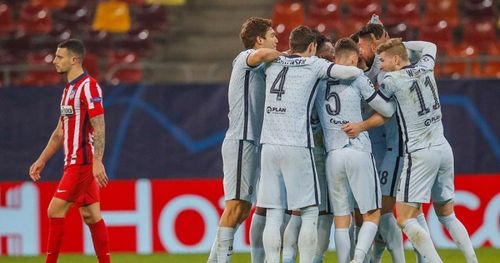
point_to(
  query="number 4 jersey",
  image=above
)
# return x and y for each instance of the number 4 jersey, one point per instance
(419, 111)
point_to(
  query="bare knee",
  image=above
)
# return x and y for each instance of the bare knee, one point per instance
(372, 216)
(58, 208)
(235, 212)
(444, 208)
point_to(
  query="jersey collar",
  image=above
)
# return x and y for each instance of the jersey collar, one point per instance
(73, 82)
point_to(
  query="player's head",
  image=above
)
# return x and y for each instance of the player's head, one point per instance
(303, 41)
(70, 53)
(370, 37)
(257, 32)
(346, 52)
(393, 55)
(324, 48)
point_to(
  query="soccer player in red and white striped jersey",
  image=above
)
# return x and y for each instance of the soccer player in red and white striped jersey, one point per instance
(81, 132)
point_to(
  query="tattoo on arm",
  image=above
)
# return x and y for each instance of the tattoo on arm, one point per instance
(99, 136)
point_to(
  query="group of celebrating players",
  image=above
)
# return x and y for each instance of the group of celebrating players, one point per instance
(341, 132)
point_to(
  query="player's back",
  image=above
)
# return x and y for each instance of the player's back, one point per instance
(246, 99)
(291, 84)
(419, 109)
(339, 102)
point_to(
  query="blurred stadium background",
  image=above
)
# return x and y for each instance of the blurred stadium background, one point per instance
(164, 66)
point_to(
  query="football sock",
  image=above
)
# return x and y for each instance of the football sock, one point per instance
(212, 257)
(421, 240)
(324, 229)
(378, 247)
(342, 244)
(271, 237)
(225, 237)
(393, 237)
(290, 238)
(256, 229)
(56, 233)
(308, 236)
(460, 236)
(365, 239)
(423, 223)
(101, 241)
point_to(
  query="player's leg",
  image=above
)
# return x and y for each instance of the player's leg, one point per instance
(272, 196)
(418, 175)
(240, 175)
(256, 229)
(423, 223)
(302, 189)
(442, 196)
(69, 189)
(365, 186)
(325, 219)
(291, 237)
(342, 203)
(325, 222)
(91, 215)
(56, 212)
(90, 210)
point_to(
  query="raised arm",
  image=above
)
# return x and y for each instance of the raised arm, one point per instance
(426, 48)
(262, 55)
(54, 144)
(99, 142)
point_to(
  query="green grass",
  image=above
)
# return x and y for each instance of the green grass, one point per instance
(485, 255)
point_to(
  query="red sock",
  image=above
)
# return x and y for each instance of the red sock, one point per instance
(100, 239)
(56, 233)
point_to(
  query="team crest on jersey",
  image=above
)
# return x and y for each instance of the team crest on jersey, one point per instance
(72, 94)
(66, 110)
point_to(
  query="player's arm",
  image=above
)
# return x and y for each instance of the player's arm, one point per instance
(262, 55)
(343, 72)
(424, 47)
(354, 129)
(54, 144)
(98, 125)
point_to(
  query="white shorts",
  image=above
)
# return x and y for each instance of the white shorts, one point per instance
(427, 173)
(389, 173)
(352, 177)
(319, 160)
(288, 178)
(241, 165)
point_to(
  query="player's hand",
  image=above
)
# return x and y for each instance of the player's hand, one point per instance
(100, 173)
(352, 129)
(35, 170)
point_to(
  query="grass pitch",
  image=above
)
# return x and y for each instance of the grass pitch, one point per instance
(485, 255)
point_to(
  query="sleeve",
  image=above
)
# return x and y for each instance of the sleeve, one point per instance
(387, 88)
(244, 56)
(343, 72)
(365, 87)
(93, 98)
(386, 108)
(428, 50)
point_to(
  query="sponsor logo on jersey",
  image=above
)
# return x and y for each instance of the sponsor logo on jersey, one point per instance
(432, 120)
(66, 110)
(96, 99)
(276, 110)
(334, 121)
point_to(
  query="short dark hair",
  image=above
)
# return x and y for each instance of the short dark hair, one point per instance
(252, 28)
(300, 38)
(74, 46)
(321, 39)
(355, 37)
(371, 31)
(345, 45)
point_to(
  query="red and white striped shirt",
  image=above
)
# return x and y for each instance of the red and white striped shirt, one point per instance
(81, 101)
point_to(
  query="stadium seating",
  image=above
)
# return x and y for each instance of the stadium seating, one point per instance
(479, 9)
(75, 16)
(35, 19)
(438, 32)
(324, 15)
(402, 11)
(97, 42)
(138, 40)
(403, 30)
(286, 16)
(362, 10)
(6, 21)
(480, 33)
(91, 65)
(438, 10)
(43, 73)
(59, 33)
(131, 74)
(458, 69)
(112, 16)
(152, 17)
(52, 4)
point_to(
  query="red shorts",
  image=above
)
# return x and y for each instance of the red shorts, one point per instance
(78, 185)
